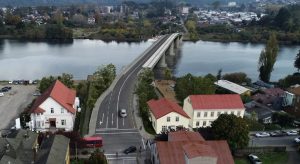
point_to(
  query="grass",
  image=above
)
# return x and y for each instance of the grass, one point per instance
(266, 158)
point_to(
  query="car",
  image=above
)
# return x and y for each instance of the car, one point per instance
(4, 90)
(292, 133)
(262, 134)
(1, 94)
(297, 140)
(254, 159)
(131, 149)
(277, 134)
(123, 113)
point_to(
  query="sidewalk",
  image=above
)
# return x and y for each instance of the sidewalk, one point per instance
(138, 120)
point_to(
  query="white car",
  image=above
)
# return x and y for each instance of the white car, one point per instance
(254, 159)
(297, 140)
(262, 134)
(292, 133)
(123, 113)
(1, 94)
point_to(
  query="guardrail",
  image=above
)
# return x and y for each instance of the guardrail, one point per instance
(150, 63)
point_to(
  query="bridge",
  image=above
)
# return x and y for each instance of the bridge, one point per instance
(167, 48)
(120, 133)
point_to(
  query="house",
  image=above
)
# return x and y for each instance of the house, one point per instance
(54, 149)
(54, 109)
(262, 114)
(270, 97)
(185, 147)
(18, 147)
(232, 87)
(204, 109)
(294, 92)
(167, 115)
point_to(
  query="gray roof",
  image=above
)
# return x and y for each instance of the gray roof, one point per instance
(58, 150)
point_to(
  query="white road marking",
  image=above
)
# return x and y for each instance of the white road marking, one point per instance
(107, 129)
(112, 119)
(107, 122)
(143, 143)
(124, 158)
(123, 121)
(102, 119)
(119, 133)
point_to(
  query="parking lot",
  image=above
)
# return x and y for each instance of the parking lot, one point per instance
(14, 102)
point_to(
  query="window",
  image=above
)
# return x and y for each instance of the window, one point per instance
(204, 123)
(62, 110)
(177, 119)
(219, 113)
(239, 113)
(225, 112)
(197, 123)
(52, 110)
(212, 114)
(198, 114)
(38, 124)
(164, 128)
(168, 119)
(205, 114)
(63, 122)
(232, 112)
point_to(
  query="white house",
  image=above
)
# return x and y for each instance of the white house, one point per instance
(204, 109)
(166, 115)
(54, 109)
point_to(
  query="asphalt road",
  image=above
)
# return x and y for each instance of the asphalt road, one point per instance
(287, 141)
(120, 133)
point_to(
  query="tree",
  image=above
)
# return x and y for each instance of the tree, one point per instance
(11, 19)
(168, 74)
(237, 77)
(189, 84)
(46, 82)
(66, 79)
(233, 129)
(219, 75)
(282, 18)
(268, 58)
(290, 80)
(216, 4)
(97, 157)
(297, 61)
(283, 119)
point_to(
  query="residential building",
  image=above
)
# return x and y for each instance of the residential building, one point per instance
(288, 99)
(54, 109)
(294, 97)
(18, 147)
(185, 147)
(166, 115)
(270, 97)
(54, 149)
(204, 109)
(232, 87)
(260, 112)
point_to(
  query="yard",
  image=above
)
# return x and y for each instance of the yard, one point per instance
(266, 158)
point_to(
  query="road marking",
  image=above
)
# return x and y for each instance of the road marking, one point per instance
(107, 129)
(143, 143)
(107, 122)
(123, 121)
(112, 119)
(120, 158)
(119, 133)
(102, 119)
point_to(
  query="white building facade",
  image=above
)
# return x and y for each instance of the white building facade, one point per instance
(55, 109)
(204, 109)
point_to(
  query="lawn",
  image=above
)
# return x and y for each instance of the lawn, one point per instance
(266, 158)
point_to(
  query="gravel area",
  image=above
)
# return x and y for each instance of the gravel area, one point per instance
(14, 102)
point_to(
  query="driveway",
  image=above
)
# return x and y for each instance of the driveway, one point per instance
(14, 102)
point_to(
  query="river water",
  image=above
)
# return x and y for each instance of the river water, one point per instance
(33, 60)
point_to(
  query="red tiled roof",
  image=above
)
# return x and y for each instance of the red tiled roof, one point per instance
(60, 93)
(161, 107)
(172, 152)
(226, 101)
(185, 136)
(193, 150)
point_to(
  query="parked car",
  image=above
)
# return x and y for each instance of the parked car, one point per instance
(297, 140)
(254, 159)
(277, 134)
(123, 113)
(4, 90)
(131, 149)
(262, 134)
(292, 133)
(1, 94)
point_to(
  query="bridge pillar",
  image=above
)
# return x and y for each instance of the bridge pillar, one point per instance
(177, 41)
(162, 62)
(171, 50)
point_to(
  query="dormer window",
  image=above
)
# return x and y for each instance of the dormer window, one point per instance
(52, 110)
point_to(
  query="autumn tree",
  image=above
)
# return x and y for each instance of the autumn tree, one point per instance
(237, 77)
(268, 58)
(231, 128)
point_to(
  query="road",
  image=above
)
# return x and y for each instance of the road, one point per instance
(120, 133)
(287, 141)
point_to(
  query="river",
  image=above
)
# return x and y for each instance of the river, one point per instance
(33, 60)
